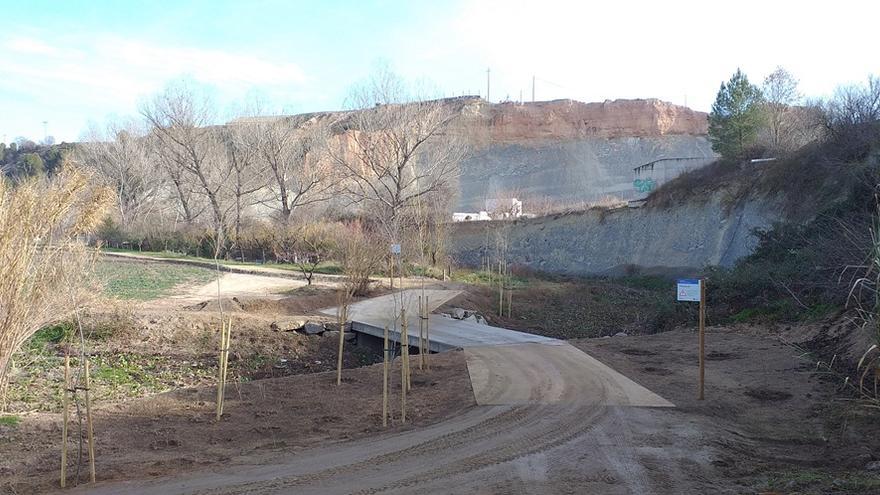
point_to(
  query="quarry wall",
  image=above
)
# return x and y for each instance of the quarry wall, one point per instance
(565, 152)
(582, 170)
(672, 241)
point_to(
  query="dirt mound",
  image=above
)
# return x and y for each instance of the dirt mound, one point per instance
(231, 304)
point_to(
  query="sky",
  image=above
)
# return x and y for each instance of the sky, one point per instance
(71, 63)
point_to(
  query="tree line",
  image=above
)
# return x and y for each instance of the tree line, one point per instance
(774, 118)
(270, 187)
(24, 158)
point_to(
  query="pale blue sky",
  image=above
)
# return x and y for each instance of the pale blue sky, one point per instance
(71, 62)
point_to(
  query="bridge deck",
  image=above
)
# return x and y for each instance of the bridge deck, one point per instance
(372, 315)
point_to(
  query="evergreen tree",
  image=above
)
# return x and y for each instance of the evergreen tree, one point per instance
(736, 116)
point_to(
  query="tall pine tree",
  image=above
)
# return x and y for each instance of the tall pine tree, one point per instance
(736, 116)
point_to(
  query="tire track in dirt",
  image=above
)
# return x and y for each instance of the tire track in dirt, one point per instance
(534, 399)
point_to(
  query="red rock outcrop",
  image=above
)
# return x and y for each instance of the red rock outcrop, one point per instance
(568, 119)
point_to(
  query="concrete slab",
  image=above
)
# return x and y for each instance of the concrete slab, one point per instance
(372, 315)
(506, 367)
(537, 373)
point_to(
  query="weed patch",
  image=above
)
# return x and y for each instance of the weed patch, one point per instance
(816, 481)
(146, 281)
(9, 420)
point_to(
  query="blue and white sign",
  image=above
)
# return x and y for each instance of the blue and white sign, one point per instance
(688, 289)
(395, 249)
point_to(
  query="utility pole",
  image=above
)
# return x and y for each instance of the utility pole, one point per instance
(487, 83)
(533, 88)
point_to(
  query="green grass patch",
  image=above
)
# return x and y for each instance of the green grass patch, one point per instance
(146, 281)
(49, 335)
(325, 267)
(647, 282)
(305, 290)
(819, 311)
(482, 277)
(9, 420)
(817, 481)
(779, 310)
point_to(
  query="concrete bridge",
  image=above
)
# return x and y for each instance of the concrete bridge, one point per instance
(371, 316)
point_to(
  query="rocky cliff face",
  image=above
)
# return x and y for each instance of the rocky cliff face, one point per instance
(674, 241)
(566, 152)
(567, 120)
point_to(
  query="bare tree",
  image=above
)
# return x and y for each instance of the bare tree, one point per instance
(781, 94)
(181, 122)
(435, 225)
(395, 150)
(120, 157)
(361, 254)
(292, 151)
(851, 118)
(313, 243)
(247, 175)
(183, 193)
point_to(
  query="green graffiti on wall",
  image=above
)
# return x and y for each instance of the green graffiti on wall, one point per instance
(644, 185)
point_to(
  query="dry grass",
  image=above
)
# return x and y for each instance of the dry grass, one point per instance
(45, 267)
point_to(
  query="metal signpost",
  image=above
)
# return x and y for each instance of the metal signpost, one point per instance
(694, 290)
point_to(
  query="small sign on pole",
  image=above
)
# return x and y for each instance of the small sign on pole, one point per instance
(395, 249)
(694, 290)
(689, 289)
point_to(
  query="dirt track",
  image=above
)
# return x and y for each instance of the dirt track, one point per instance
(551, 419)
(547, 417)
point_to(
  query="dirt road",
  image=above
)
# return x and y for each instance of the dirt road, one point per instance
(546, 425)
(237, 285)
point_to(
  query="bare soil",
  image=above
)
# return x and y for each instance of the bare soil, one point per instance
(559, 309)
(176, 432)
(772, 422)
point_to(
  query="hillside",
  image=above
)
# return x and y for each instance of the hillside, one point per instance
(565, 151)
(706, 217)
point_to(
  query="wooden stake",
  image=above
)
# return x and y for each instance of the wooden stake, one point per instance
(421, 335)
(427, 337)
(225, 337)
(89, 429)
(402, 368)
(500, 290)
(702, 335)
(341, 318)
(385, 379)
(226, 358)
(66, 417)
(220, 367)
(391, 271)
(405, 350)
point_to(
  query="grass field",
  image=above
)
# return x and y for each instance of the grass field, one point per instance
(145, 281)
(327, 267)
